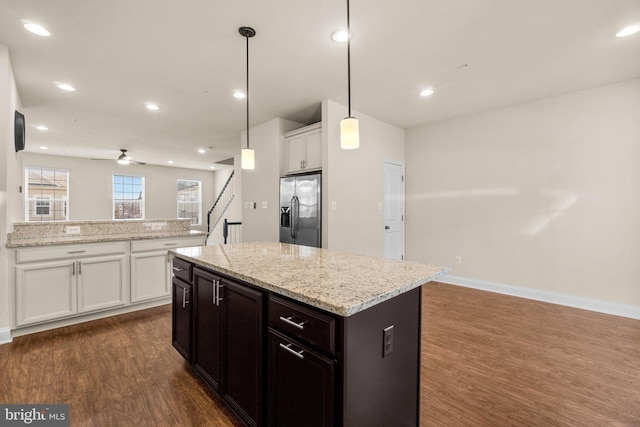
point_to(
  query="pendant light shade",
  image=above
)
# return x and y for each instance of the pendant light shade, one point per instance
(248, 157)
(349, 127)
(349, 133)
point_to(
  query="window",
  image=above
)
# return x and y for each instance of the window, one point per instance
(190, 200)
(47, 194)
(128, 197)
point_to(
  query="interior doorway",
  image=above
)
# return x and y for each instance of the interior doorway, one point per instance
(393, 211)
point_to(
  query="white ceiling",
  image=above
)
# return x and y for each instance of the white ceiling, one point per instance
(188, 57)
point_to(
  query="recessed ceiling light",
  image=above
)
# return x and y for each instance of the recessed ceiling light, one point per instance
(239, 94)
(151, 106)
(66, 86)
(628, 31)
(201, 150)
(170, 162)
(427, 92)
(35, 28)
(44, 148)
(340, 36)
(42, 127)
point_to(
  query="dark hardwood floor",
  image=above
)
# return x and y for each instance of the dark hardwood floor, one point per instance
(487, 360)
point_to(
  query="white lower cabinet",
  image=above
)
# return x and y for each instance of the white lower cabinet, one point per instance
(149, 276)
(45, 291)
(55, 282)
(151, 268)
(67, 280)
(101, 283)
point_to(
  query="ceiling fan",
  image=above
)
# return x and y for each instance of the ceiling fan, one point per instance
(124, 158)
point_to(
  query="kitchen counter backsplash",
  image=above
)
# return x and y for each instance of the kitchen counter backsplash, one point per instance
(52, 232)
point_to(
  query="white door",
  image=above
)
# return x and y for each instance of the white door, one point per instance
(393, 211)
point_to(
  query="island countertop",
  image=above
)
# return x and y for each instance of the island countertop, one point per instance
(339, 282)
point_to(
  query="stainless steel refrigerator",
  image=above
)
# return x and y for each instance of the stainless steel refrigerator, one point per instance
(300, 210)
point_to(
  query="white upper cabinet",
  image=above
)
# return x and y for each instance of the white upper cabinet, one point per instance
(303, 149)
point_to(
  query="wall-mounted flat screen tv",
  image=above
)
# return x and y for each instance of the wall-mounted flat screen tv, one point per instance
(18, 129)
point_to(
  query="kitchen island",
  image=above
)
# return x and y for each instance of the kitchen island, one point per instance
(293, 335)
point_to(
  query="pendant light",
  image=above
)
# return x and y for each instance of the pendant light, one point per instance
(248, 158)
(349, 128)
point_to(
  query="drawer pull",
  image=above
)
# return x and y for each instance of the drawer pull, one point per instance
(170, 244)
(292, 351)
(292, 323)
(76, 252)
(178, 269)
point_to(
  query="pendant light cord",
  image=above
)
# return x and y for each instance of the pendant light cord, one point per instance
(348, 59)
(247, 37)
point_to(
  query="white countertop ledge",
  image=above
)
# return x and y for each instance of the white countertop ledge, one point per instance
(338, 282)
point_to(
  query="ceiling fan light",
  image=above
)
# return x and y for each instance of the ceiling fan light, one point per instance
(349, 133)
(248, 159)
(123, 161)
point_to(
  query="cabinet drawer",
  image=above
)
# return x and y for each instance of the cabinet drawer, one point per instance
(46, 253)
(305, 324)
(182, 269)
(161, 244)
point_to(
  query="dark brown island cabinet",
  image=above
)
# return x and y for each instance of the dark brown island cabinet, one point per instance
(279, 362)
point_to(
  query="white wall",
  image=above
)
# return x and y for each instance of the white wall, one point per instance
(263, 183)
(353, 180)
(10, 164)
(91, 186)
(543, 195)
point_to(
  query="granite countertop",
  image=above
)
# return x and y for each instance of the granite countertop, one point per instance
(98, 238)
(338, 282)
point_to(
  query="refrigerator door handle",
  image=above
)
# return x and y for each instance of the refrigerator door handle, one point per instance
(295, 211)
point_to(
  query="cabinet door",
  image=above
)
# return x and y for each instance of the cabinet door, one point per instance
(149, 275)
(45, 291)
(313, 147)
(295, 153)
(101, 282)
(300, 385)
(207, 329)
(181, 318)
(242, 385)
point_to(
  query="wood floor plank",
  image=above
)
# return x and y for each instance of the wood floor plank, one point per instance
(487, 360)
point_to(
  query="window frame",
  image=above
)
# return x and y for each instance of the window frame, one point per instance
(114, 201)
(179, 202)
(50, 200)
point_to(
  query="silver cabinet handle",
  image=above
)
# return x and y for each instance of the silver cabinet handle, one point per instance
(219, 287)
(184, 297)
(79, 267)
(178, 269)
(76, 252)
(170, 244)
(216, 292)
(292, 323)
(73, 269)
(292, 351)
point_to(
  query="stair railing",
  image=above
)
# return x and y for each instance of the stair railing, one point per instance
(221, 204)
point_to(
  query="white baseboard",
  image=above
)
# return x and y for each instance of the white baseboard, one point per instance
(5, 336)
(622, 310)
